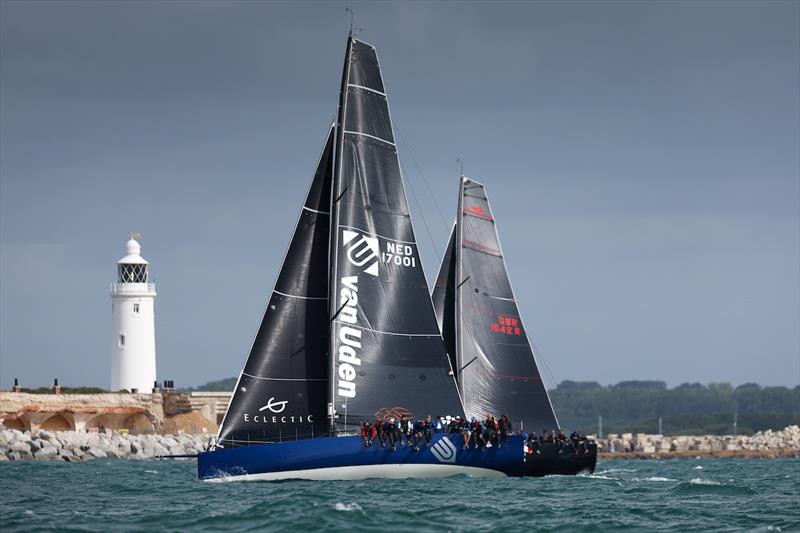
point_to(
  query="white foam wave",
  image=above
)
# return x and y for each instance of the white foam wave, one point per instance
(697, 468)
(151, 471)
(654, 478)
(348, 507)
(700, 481)
(599, 476)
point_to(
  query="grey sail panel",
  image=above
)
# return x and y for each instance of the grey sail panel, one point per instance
(388, 354)
(497, 372)
(443, 296)
(282, 393)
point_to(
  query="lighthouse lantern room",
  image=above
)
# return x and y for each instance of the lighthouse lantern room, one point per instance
(133, 339)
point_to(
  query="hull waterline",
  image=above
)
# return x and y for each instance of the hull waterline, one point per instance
(341, 458)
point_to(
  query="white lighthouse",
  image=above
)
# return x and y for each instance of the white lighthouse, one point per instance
(133, 336)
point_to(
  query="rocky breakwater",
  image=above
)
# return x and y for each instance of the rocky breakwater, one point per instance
(762, 444)
(76, 446)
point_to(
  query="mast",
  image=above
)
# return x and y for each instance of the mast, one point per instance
(458, 283)
(336, 195)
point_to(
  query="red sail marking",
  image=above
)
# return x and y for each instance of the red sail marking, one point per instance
(479, 212)
(481, 247)
(506, 325)
(385, 413)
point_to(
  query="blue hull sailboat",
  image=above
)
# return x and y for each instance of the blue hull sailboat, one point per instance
(350, 332)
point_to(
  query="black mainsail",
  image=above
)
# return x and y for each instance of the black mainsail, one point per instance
(477, 311)
(282, 392)
(351, 285)
(387, 354)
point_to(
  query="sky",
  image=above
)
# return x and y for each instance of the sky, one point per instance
(642, 159)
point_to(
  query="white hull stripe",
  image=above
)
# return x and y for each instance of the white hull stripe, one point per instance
(301, 297)
(390, 471)
(366, 89)
(370, 136)
(376, 235)
(283, 379)
(437, 334)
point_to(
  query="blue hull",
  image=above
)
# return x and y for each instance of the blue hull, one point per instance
(347, 458)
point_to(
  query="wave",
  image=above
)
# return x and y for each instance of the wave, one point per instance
(698, 486)
(339, 506)
(654, 478)
(700, 481)
(600, 476)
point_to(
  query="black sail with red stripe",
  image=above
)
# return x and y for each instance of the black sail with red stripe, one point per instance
(495, 366)
(387, 354)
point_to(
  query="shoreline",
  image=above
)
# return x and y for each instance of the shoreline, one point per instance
(79, 446)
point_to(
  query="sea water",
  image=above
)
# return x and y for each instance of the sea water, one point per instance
(672, 495)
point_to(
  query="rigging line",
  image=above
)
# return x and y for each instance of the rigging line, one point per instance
(340, 309)
(540, 358)
(465, 366)
(424, 180)
(421, 213)
(340, 196)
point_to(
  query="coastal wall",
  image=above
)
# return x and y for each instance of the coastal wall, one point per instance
(138, 413)
(76, 446)
(762, 443)
(142, 413)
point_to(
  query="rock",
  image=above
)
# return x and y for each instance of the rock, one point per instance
(24, 455)
(3, 457)
(134, 449)
(96, 453)
(34, 445)
(46, 453)
(20, 446)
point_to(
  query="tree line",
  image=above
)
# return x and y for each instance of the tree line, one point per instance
(688, 409)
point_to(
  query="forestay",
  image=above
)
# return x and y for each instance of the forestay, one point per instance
(282, 392)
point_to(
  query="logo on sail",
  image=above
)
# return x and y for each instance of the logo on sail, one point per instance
(444, 451)
(275, 407)
(362, 251)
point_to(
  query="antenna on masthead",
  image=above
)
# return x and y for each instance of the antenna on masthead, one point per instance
(348, 10)
(357, 30)
(461, 166)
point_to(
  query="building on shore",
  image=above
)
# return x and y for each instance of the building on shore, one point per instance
(133, 338)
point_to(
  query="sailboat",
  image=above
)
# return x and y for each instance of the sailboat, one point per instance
(477, 313)
(349, 332)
